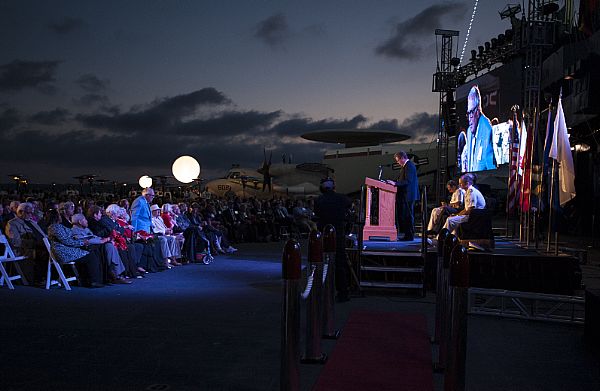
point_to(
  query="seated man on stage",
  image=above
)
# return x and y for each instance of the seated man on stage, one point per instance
(473, 200)
(439, 214)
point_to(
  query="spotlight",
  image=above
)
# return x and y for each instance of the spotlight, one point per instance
(501, 39)
(473, 55)
(480, 48)
(494, 43)
(455, 61)
(487, 47)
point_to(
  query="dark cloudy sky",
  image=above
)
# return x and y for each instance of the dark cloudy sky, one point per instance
(122, 88)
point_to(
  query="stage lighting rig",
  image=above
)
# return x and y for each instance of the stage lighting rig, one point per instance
(510, 10)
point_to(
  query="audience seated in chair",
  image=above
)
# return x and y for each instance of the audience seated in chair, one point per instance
(473, 200)
(67, 249)
(26, 239)
(80, 230)
(440, 214)
(168, 242)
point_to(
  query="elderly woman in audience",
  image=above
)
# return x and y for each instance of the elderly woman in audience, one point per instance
(122, 233)
(168, 243)
(67, 249)
(67, 210)
(116, 268)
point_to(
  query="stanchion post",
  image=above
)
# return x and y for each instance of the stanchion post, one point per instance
(439, 285)
(449, 244)
(329, 330)
(290, 317)
(454, 379)
(314, 311)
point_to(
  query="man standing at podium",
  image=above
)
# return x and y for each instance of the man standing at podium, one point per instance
(408, 192)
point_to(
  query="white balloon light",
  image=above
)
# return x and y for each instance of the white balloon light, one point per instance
(145, 181)
(186, 169)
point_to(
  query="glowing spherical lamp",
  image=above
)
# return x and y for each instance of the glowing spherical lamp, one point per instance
(145, 181)
(186, 169)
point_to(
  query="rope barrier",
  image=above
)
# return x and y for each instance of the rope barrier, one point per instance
(309, 283)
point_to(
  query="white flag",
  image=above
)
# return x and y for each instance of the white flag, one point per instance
(522, 148)
(560, 150)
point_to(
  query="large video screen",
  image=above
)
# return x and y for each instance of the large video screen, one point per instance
(495, 154)
(485, 104)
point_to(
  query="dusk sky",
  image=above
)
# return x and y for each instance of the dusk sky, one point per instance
(122, 88)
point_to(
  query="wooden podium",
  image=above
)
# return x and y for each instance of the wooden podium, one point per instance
(380, 212)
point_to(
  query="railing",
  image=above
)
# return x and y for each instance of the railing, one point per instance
(451, 310)
(319, 294)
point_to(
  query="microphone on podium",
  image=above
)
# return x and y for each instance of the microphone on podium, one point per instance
(381, 169)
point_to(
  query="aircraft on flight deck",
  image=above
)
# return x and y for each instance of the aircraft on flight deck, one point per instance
(286, 180)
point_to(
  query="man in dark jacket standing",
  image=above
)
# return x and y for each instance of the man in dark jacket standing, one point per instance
(331, 208)
(408, 192)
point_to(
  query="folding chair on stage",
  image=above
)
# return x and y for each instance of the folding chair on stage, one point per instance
(61, 275)
(9, 256)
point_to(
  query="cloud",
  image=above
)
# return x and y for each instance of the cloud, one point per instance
(298, 126)
(420, 126)
(149, 137)
(19, 75)
(92, 84)
(67, 25)
(89, 100)
(53, 117)
(407, 42)
(273, 31)
(160, 115)
(229, 123)
(9, 118)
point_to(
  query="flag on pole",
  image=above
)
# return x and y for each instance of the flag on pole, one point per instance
(513, 183)
(528, 164)
(523, 147)
(536, 163)
(560, 150)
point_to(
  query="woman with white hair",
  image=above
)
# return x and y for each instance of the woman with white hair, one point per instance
(128, 250)
(168, 243)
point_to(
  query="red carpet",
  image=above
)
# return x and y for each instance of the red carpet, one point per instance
(380, 351)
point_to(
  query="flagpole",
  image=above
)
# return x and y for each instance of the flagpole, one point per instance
(521, 223)
(536, 123)
(513, 131)
(543, 177)
(552, 195)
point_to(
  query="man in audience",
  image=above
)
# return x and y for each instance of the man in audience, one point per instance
(302, 217)
(141, 217)
(168, 243)
(26, 238)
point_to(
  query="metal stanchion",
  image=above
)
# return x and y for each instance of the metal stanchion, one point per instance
(329, 330)
(314, 312)
(450, 243)
(439, 285)
(290, 317)
(454, 379)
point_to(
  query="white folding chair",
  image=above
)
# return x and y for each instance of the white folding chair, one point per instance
(9, 256)
(61, 275)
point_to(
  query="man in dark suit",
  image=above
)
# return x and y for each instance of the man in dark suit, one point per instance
(331, 208)
(408, 192)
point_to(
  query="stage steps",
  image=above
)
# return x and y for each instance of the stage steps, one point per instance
(392, 270)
